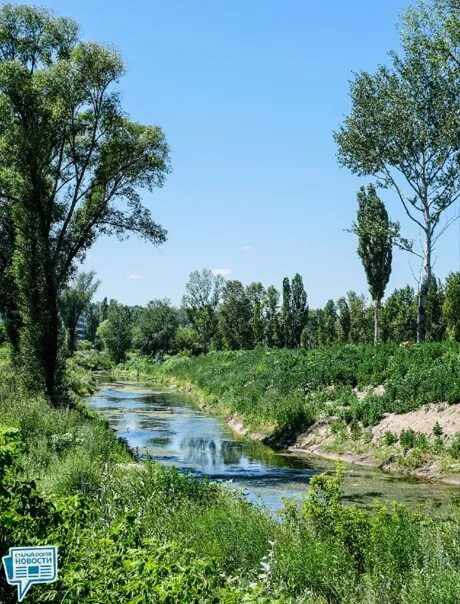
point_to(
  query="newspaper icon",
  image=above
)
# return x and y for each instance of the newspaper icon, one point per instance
(26, 566)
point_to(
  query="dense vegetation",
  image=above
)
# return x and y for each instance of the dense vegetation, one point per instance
(282, 392)
(71, 168)
(132, 532)
(226, 315)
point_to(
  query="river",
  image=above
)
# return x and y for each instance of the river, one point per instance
(167, 426)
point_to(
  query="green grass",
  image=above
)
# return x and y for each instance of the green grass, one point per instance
(139, 532)
(274, 389)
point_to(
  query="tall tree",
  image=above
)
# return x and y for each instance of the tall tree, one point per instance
(256, 293)
(403, 130)
(75, 300)
(451, 307)
(235, 317)
(203, 293)
(435, 321)
(104, 308)
(359, 318)
(299, 308)
(399, 316)
(376, 234)
(155, 328)
(343, 316)
(287, 323)
(272, 333)
(71, 166)
(8, 293)
(92, 320)
(115, 331)
(328, 324)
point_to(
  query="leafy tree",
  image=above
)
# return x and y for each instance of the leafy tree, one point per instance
(235, 317)
(104, 309)
(360, 327)
(312, 332)
(403, 129)
(272, 330)
(154, 331)
(328, 324)
(344, 321)
(299, 308)
(451, 306)
(399, 316)
(202, 297)
(287, 318)
(8, 292)
(115, 331)
(71, 166)
(74, 301)
(375, 235)
(186, 340)
(92, 320)
(435, 322)
(256, 293)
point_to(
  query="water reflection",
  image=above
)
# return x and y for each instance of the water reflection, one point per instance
(166, 425)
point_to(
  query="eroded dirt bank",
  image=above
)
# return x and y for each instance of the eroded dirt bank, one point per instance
(319, 439)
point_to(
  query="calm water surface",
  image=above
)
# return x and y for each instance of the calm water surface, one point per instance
(166, 425)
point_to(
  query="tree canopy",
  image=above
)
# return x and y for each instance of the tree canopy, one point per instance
(71, 166)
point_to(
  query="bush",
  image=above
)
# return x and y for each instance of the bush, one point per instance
(390, 438)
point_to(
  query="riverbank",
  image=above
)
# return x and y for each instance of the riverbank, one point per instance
(389, 407)
(159, 536)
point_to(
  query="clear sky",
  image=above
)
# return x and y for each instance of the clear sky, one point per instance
(248, 93)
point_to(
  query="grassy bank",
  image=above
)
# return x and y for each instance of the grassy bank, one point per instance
(138, 532)
(281, 393)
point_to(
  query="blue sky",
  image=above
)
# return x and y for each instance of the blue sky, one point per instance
(248, 93)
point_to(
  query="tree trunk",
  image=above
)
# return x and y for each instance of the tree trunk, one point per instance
(51, 365)
(376, 320)
(421, 311)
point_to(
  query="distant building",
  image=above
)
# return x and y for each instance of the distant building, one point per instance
(80, 332)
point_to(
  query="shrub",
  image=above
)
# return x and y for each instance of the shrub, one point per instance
(389, 438)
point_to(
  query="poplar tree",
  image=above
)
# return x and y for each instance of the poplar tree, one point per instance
(299, 308)
(375, 235)
(272, 329)
(403, 128)
(286, 314)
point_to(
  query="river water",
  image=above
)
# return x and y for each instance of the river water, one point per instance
(166, 425)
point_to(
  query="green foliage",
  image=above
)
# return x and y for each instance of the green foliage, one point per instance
(451, 306)
(375, 235)
(115, 331)
(279, 391)
(399, 316)
(133, 532)
(391, 135)
(75, 299)
(3, 333)
(235, 317)
(155, 327)
(437, 430)
(407, 439)
(454, 449)
(389, 438)
(203, 293)
(71, 165)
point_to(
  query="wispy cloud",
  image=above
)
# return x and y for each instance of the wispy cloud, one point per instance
(246, 248)
(224, 272)
(135, 277)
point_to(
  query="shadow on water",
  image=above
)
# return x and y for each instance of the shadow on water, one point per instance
(166, 425)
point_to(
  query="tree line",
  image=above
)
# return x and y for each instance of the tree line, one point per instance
(219, 314)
